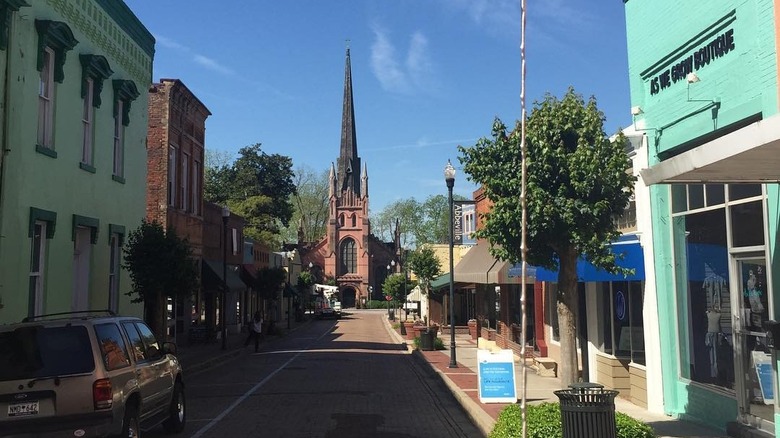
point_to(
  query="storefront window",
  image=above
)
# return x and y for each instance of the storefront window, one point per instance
(750, 228)
(622, 329)
(552, 310)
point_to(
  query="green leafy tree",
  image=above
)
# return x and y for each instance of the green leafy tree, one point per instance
(421, 223)
(269, 282)
(257, 186)
(394, 286)
(160, 265)
(425, 265)
(577, 183)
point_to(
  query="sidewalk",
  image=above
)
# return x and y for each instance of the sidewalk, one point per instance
(463, 383)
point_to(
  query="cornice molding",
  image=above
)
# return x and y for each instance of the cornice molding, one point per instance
(58, 36)
(97, 68)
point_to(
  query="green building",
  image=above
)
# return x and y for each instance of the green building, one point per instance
(74, 76)
(704, 91)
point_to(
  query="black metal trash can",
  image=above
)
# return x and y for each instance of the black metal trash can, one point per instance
(426, 340)
(587, 410)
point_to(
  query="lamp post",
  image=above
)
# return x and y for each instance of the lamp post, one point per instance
(290, 255)
(308, 300)
(390, 267)
(223, 307)
(403, 306)
(449, 178)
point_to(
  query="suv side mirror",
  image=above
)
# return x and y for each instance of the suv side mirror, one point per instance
(169, 348)
(773, 333)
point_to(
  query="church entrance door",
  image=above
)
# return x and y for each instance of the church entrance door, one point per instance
(348, 297)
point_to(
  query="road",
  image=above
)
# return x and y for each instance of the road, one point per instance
(345, 378)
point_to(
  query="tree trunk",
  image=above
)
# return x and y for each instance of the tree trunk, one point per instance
(567, 317)
(154, 314)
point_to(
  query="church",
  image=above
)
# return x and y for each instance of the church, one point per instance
(348, 253)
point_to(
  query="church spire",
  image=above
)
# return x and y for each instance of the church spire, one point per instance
(348, 162)
(364, 181)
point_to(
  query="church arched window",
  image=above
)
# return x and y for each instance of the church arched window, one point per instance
(341, 219)
(348, 257)
(354, 220)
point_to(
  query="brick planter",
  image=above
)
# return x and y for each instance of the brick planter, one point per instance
(409, 330)
(473, 329)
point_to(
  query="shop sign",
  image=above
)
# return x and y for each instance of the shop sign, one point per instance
(701, 57)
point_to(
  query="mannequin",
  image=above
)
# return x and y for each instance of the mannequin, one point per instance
(711, 338)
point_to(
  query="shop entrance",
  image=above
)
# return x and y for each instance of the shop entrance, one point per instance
(752, 359)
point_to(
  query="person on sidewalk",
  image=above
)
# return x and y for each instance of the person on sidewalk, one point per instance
(255, 331)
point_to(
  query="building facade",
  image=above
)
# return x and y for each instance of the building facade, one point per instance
(175, 163)
(704, 92)
(73, 165)
(349, 254)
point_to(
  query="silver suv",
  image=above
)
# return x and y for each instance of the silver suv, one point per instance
(81, 374)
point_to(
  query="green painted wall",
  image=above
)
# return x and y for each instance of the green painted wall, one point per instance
(32, 179)
(662, 35)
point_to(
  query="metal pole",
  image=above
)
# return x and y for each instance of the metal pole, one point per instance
(223, 307)
(403, 320)
(289, 289)
(524, 217)
(453, 360)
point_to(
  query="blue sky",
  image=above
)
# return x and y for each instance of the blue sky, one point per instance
(428, 75)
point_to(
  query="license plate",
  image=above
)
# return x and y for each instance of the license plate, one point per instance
(23, 409)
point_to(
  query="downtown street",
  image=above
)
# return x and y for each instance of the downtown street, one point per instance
(343, 378)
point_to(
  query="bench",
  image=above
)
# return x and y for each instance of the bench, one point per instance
(546, 367)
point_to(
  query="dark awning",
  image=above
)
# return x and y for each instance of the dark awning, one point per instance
(629, 255)
(478, 266)
(212, 275)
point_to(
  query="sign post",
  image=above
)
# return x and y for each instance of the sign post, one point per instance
(496, 376)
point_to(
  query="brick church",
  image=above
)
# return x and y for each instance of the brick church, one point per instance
(348, 253)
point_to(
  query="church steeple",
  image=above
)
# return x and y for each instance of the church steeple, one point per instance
(348, 163)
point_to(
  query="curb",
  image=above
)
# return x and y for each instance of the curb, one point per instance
(475, 412)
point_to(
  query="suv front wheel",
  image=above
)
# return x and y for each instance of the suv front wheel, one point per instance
(177, 414)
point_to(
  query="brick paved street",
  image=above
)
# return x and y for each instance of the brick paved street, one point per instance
(344, 378)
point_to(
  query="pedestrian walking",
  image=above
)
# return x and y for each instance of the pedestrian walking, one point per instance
(255, 330)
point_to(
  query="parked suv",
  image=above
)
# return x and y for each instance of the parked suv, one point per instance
(87, 374)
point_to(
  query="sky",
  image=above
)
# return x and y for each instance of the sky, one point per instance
(427, 75)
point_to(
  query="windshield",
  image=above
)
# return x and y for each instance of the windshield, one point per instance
(38, 352)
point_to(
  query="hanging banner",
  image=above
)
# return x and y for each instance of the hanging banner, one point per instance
(496, 376)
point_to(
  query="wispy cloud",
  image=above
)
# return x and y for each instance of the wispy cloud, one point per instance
(396, 73)
(213, 65)
(497, 17)
(423, 143)
(198, 58)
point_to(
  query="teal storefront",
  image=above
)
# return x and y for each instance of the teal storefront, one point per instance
(704, 91)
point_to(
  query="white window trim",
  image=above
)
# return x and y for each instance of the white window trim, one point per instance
(46, 100)
(113, 273)
(87, 120)
(38, 276)
(119, 141)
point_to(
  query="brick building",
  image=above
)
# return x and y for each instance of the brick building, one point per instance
(175, 162)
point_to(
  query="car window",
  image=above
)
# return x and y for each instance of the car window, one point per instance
(152, 348)
(137, 345)
(38, 352)
(112, 346)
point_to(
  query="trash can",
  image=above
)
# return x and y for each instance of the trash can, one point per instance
(587, 410)
(426, 339)
(391, 315)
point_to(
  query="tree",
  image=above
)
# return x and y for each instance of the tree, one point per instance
(269, 282)
(394, 286)
(421, 223)
(160, 265)
(425, 265)
(577, 183)
(310, 205)
(257, 186)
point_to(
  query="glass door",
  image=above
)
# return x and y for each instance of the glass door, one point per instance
(753, 359)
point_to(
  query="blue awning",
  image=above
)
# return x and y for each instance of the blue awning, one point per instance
(629, 255)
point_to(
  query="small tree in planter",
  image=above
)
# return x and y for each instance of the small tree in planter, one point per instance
(426, 267)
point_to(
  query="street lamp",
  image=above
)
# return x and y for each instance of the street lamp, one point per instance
(223, 307)
(449, 178)
(308, 300)
(290, 255)
(390, 268)
(403, 309)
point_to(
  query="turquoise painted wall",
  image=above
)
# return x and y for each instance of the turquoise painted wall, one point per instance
(32, 179)
(665, 38)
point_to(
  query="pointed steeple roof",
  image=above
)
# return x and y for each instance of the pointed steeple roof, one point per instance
(348, 162)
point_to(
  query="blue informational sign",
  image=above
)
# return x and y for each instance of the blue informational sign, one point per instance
(763, 365)
(496, 375)
(620, 305)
